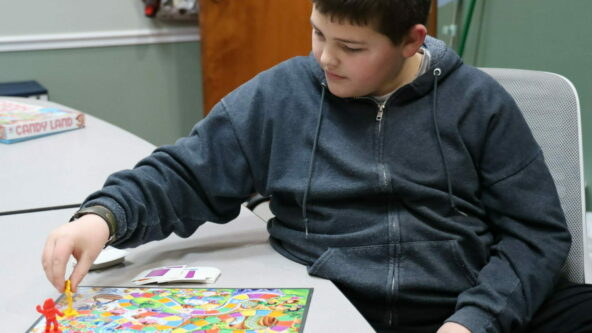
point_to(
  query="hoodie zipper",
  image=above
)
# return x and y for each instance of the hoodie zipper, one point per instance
(393, 237)
(380, 112)
(379, 116)
(392, 224)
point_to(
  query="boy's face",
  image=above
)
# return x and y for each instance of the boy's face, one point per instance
(357, 60)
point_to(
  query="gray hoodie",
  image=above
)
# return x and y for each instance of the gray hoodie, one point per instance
(440, 208)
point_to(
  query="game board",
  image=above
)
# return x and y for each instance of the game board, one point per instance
(180, 310)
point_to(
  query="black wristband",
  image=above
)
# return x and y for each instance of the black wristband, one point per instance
(105, 214)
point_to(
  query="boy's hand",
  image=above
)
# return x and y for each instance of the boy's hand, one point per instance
(451, 327)
(84, 239)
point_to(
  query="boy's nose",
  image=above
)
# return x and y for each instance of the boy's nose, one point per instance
(328, 60)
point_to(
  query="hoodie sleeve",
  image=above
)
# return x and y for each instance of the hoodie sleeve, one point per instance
(531, 236)
(203, 177)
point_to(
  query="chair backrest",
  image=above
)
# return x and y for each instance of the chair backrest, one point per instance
(551, 107)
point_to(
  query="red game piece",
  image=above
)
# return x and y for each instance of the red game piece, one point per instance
(49, 311)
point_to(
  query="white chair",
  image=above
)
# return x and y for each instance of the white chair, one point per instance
(552, 110)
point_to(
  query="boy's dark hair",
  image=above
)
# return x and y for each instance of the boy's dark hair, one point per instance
(392, 18)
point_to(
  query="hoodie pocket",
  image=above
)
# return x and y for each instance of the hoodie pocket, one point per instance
(433, 269)
(362, 269)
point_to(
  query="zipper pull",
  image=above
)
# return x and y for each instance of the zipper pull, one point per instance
(380, 112)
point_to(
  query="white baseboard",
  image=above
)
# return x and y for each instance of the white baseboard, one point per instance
(97, 39)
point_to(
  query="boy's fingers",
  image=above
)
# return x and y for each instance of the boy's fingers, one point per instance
(58, 261)
(80, 270)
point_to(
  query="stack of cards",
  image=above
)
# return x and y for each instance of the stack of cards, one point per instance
(179, 273)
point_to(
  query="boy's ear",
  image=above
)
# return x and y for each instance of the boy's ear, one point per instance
(414, 39)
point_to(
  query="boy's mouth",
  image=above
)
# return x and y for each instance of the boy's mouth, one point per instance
(333, 76)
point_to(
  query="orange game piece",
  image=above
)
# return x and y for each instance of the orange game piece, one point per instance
(49, 310)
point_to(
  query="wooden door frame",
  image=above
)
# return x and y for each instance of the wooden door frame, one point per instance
(433, 19)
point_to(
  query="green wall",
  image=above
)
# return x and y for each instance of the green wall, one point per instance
(545, 35)
(153, 91)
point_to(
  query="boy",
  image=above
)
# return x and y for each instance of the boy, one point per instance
(383, 154)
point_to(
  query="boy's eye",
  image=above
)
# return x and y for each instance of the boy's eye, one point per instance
(351, 49)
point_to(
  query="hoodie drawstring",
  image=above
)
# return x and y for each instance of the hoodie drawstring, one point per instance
(311, 162)
(437, 72)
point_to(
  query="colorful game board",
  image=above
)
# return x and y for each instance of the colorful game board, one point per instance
(180, 310)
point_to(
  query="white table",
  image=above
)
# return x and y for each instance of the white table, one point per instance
(64, 168)
(240, 249)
